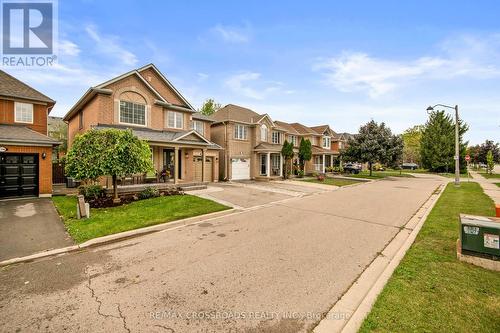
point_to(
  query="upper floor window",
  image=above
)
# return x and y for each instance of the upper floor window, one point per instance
(326, 142)
(263, 132)
(276, 137)
(341, 145)
(175, 119)
(293, 139)
(23, 112)
(132, 113)
(240, 132)
(198, 126)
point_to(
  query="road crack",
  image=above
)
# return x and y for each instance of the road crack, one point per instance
(121, 317)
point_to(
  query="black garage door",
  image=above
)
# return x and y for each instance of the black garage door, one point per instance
(18, 175)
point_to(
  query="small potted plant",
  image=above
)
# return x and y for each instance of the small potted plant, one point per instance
(320, 177)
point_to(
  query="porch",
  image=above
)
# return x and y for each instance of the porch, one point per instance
(270, 166)
(322, 161)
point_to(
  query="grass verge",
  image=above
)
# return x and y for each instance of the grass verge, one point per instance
(333, 181)
(431, 291)
(143, 213)
(490, 175)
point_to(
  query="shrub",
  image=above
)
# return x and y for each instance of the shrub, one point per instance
(149, 192)
(91, 192)
(300, 173)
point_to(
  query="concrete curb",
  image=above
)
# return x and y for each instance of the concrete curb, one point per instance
(348, 313)
(119, 237)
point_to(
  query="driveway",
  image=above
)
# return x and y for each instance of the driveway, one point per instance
(276, 268)
(29, 226)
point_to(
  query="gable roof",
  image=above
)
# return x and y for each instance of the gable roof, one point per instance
(101, 89)
(200, 116)
(236, 113)
(303, 129)
(287, 127)
(321, 129)
(12, 87)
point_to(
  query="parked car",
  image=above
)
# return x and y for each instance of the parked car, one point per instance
(352, 168)
(409, 166)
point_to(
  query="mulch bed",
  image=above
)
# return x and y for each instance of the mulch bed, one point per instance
(107, 201)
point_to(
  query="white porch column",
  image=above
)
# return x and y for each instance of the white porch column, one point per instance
(268, 165)
(323, 163)
(281, 165)
(203, 152)
(176, 165)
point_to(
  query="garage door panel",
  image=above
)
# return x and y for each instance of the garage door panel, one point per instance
(240, 168)
(18, 175)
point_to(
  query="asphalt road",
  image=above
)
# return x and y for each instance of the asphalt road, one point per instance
(272, 269)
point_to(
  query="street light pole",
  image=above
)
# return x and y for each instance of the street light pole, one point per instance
(457, 142)
(457, 149)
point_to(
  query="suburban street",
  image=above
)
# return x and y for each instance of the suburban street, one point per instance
(277, 267)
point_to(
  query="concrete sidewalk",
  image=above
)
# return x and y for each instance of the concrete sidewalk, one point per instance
(488, 185)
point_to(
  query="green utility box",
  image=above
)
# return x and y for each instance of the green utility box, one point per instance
(480, 235)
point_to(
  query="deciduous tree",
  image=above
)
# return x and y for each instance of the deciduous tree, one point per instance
(209, 107)
(109, 152)
(374, 143)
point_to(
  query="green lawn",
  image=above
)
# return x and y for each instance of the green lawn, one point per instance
(493, 175)
(380, 174)
(431, 291)
(497, 184)
(143, 213)
(333, 181)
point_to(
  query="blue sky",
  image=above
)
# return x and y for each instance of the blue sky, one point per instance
(341, 63)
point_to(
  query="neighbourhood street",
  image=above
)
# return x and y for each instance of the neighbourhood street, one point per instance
(276, 268)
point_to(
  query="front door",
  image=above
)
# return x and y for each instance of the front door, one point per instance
(168, 161)
(263, 164)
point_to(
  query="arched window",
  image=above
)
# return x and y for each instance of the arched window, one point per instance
(132, 109)
(263, 132)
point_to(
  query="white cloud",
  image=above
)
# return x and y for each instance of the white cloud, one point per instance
(249, 84)
(232, 34)
(202, 77)
(66, 47)
(466, 56)
(109, 45)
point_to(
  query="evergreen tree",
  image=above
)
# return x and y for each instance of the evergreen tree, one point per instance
(305, 152)
(437, 148)
(287, 152)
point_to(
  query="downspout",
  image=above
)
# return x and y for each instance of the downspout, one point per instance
(226, 166)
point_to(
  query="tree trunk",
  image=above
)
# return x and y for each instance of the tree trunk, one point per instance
(370, 166)
(115, 189)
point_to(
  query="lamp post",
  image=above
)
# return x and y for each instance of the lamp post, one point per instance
(457, 145)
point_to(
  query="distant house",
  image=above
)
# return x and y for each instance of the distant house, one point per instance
(252, 144)
(25, 147)
(58, 129)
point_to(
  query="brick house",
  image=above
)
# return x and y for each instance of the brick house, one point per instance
(25, 148)
(144, 101)
(252, 144)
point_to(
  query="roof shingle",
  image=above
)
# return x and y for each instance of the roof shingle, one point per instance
(12, 87)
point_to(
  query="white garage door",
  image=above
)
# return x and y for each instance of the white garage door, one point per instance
(240, 168)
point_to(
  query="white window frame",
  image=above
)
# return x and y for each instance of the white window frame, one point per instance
(278, 137)
(194, 124)
(178, 116)
(21, 110)
(240, 132)
(327, 142)
(132, 124)
(263, 133)
(293, 139)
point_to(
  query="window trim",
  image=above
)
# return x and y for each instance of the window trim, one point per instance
(244, 132)
(175, 119)
(279, 138)
(264, 129)
(202, 126)
(132, 124)
(294, 140)
(328, 140)
(32, 113)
